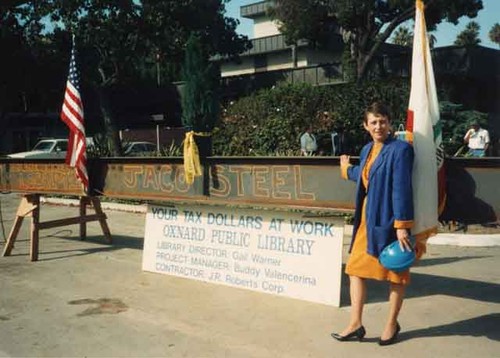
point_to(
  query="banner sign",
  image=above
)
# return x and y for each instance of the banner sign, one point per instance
(269, 183)
(274, 252)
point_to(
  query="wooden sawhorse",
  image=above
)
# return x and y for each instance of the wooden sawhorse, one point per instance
(30, 207)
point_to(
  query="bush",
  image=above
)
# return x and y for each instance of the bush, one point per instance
(456, 122)
(271, 121)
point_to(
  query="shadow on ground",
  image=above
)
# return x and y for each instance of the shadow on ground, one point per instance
(423, 285)
(482, 326)
(119, 241)
(447, 260)
(91, 245)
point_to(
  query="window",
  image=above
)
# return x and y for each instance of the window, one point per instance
(260, 63)
(62, 146)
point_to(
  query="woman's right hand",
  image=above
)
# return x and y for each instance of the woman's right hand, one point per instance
(344, 160)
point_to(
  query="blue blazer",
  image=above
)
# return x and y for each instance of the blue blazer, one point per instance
(389, 195)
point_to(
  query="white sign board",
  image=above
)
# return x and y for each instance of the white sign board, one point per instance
(267, 251)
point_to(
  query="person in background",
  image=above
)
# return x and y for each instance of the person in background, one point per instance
(384, 214)
(478, 141)
(308, 144)
(336, 146)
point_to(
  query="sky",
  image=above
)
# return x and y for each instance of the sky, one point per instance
(446, 33)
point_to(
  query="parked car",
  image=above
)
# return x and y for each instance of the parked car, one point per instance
(44, 149)
(139, 149)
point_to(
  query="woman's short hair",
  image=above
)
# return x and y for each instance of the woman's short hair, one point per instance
(378, 109)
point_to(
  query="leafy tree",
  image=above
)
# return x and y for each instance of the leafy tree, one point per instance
(403, 36)
(10, 38)
(469, 36)
(364, 24)
(494, 34)
(32, 75)
(168, 25)
(119, 40)
(108, 47)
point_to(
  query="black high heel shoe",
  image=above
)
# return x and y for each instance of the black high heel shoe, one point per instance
(386, 342)
(359, 333)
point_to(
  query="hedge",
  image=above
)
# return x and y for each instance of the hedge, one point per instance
(271, 121)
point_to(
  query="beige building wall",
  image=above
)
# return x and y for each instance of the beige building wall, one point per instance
(275, 61)
(279, 61)
(233, 69)
(303, 58)
(264, 27)
(283, 60)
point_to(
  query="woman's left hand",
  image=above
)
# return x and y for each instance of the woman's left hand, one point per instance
(344, 160)
(404, 239)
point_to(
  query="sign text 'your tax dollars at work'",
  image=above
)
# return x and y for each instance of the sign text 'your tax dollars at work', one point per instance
(268, 251)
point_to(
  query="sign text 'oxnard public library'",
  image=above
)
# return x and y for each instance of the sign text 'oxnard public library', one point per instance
(267, 251)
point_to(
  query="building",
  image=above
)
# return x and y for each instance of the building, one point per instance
(269, 50)
(271, 60)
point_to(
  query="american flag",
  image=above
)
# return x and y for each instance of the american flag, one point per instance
(72, 115)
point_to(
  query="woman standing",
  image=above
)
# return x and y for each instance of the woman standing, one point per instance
(384, 213)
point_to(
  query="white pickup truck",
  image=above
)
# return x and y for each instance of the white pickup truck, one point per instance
(44, 149)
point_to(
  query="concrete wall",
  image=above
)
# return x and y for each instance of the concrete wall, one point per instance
(275, 61)
(234, 69)
(264, 27)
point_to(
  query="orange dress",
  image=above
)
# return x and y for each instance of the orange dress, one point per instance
(360, 262)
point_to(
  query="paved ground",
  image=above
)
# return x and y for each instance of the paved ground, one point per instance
(89, 299)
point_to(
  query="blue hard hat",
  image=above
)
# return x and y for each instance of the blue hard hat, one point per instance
(395, 259)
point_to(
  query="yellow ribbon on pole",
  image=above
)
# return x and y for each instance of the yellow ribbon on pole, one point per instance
(192, 167)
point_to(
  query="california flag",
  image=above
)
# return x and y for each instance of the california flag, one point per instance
(423, 123)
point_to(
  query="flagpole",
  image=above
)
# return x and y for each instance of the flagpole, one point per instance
(73, 116)
(423, 123)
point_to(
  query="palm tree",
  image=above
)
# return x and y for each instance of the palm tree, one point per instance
(469, 36)
(403, 36)
(432, 40)
(494, 34)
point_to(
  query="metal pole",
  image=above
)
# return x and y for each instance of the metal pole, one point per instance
(157, 139)
(158, 82)
(158, 67)
(158, 70)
